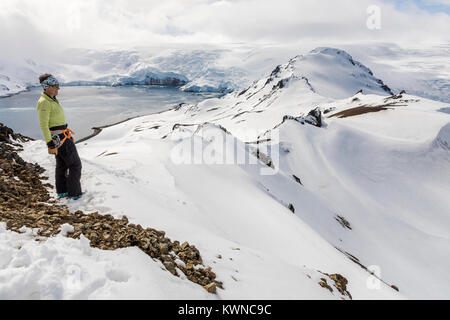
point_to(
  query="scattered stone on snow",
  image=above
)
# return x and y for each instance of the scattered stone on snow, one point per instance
(340, 283)
(343, 222)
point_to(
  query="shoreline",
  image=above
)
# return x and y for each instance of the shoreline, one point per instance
(16, 93)
(95, 130)
(99, 129)
(28, 88)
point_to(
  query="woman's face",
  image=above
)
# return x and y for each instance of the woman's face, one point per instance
(52, 91)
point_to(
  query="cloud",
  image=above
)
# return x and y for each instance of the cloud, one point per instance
(440, 2)
(35, 25)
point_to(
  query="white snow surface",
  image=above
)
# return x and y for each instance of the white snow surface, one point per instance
(387, 173)
(63, 268)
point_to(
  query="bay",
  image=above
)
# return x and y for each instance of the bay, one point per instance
(89, 106)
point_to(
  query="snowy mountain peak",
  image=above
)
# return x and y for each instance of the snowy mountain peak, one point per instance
(342, 55)
(331, 51)
(322, 75)
(331, 73)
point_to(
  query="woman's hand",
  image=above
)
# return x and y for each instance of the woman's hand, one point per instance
(53, 151)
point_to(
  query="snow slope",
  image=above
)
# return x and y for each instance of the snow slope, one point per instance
(359, 194)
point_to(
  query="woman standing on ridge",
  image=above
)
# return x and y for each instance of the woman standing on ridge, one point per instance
(59, 139)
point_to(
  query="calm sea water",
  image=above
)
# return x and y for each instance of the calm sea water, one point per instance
(89, 106)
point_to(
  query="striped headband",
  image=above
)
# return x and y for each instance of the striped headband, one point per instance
(50, 81)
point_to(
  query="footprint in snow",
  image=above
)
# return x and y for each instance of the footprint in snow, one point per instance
(117, 275)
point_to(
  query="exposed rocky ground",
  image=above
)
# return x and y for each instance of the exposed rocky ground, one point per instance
(25, 201)
(340, 283)
(390, 103)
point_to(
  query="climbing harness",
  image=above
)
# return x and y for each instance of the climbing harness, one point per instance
(56, 136)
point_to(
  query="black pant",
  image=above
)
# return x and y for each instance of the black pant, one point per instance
(68, 169)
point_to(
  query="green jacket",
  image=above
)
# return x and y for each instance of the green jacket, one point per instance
(50, 114)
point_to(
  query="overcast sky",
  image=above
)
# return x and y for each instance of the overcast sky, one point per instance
(51, 25)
